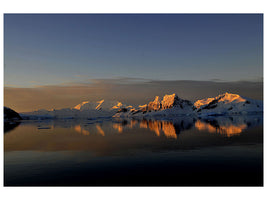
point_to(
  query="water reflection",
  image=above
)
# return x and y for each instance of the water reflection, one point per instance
(127, 136)
(167, 128)
(8, 126)
(128, 150)
(121, 125)
(212, 127)
(228, 126)
(100, 130)
(80, 130)
(160, 127)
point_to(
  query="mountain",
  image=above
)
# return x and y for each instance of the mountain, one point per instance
(228, 103)
(11, 119)
(85, 109)
(169, 106)
(99, 105)
(11, 115)
(173, 106)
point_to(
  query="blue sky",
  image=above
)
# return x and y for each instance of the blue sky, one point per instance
(55, 49)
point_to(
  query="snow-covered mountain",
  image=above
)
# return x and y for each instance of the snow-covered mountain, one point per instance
(173, 106)
(228, 103)
(85, 109)
(169, 106)
(99, 105)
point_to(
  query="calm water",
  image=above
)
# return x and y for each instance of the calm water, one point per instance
(221, 151)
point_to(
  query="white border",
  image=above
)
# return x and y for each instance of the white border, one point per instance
(124, 6)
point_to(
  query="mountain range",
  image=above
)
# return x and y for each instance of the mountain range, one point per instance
(167, 106)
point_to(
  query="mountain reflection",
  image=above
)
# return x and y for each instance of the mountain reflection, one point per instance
(80, 130)
(123, 136)
(229, 130)
(165, 127)
(228, 126)
(223, 125)
(100, 130)
(10, 126)
(169, 129)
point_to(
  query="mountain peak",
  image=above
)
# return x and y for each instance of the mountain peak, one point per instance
(98, 107)
(154, 105)
(118, 105)
(226, 98)
(228, 103)
(229, 97)
(78, 107)
(169, 101)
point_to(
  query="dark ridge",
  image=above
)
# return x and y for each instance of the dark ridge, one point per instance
(10, 114)
(122, 110)
(210, 106)
(135, 112)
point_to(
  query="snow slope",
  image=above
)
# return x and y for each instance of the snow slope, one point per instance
(228, 103)
(169, 106)
(172, 106)
(85, 109)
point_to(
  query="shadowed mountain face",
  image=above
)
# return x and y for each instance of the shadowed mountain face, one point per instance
(11, 119)
(10, 114)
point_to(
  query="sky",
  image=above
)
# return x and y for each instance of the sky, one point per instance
(48, 52)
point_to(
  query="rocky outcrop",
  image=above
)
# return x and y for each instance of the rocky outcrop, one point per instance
(11, 115)
(154, 105)
(168, 101)
(11, 119)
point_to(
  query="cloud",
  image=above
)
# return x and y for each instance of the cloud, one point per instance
(120, 80)
(217, 80)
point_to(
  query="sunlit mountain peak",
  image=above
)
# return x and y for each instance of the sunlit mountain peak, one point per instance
(226, 98)
(98, 107)
(117, 106)
(78, 107)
